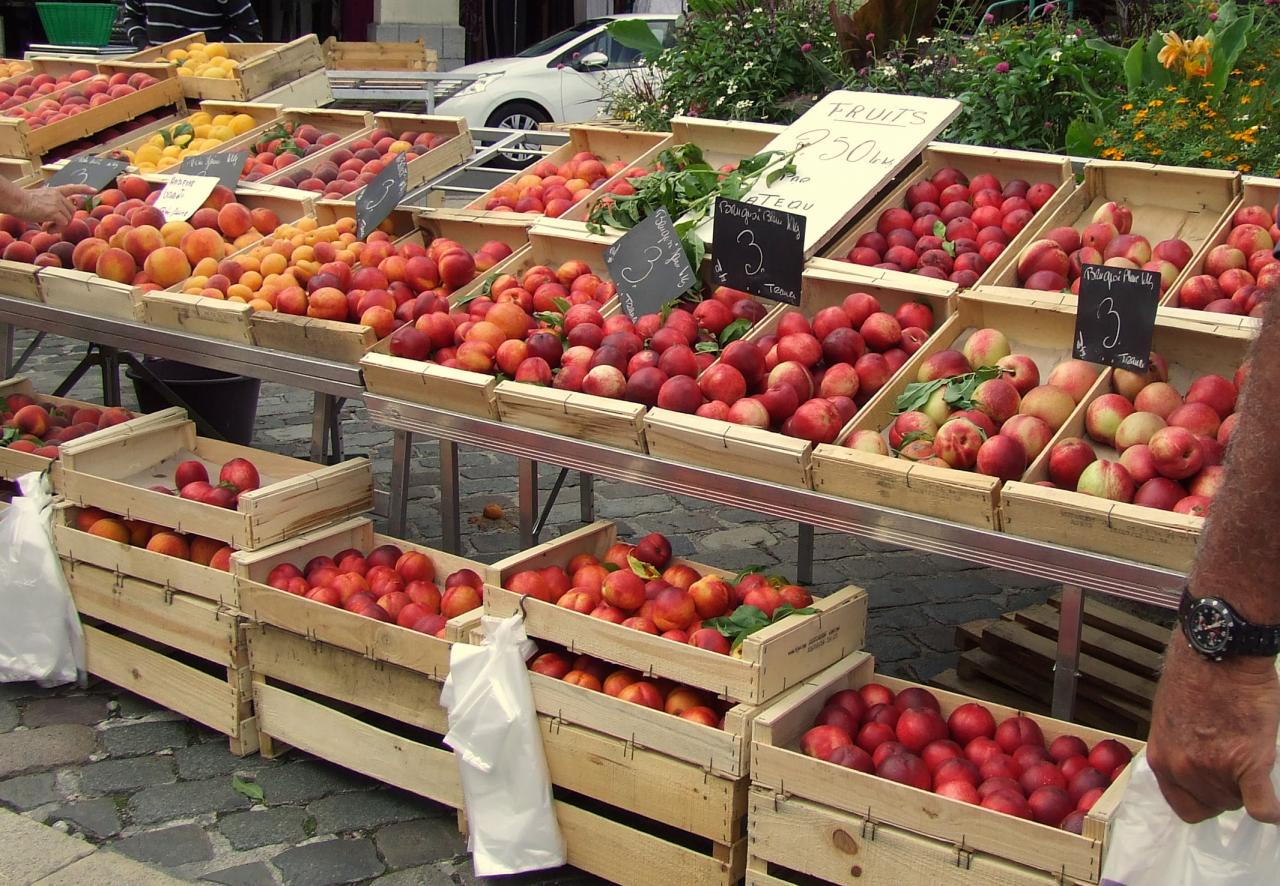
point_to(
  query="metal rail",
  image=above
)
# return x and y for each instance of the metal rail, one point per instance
(403, 86)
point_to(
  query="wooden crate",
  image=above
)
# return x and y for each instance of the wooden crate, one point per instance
(1002, 163)
(18, 139)
(295, 495)
(1119, 529)
(262, 114)
(610, 145)
(344, 123)
(766, 454)
(770, 660)
(1255, 191)
(1042, 330)
(379, 56)
(474, 393)
(372, 639)
(457, 149)
(55, 66)
(1167, 202)
(942, 828)
(79, 547)
(15, 170)
(263, 66)
(182, 652)
(722, 142)
(308, 91)
(89, 294)
(14, 464)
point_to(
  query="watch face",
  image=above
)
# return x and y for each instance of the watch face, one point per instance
(1209, 626)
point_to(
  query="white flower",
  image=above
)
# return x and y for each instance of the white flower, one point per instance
(1072, 38)
(748, 66)
(743, 104)
(1057, 54)
(923, 40)
(719, 101)
(889, 71)
(748, 26)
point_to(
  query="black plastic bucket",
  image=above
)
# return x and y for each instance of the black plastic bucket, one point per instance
(228, 403)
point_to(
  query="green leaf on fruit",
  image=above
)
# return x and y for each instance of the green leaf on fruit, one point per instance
(940, 230)
(645, 570)
(563, 304)
(247, 789)
(706, 347)
(734, 331)
(913, 437)
(746, 620)
(9, 435)
(549, 318)
(610, 567)
(949, 248)
(750, 570)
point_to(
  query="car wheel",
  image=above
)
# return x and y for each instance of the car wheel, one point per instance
(520, 116)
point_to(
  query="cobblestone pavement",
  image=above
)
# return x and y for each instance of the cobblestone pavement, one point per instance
(116, 770)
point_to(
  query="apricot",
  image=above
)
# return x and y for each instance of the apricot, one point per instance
(203, 243)
(87, 517)
(264, 221)
(221, 560)
(167, 265)
(140, 242)
(116, 264)
(173, 232)
(140, 532)
(170, 544)
(112, 528)
(203, 549)
(85, 256)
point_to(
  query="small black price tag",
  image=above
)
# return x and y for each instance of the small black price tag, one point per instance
(1116, 315)
(759, 250)
(225, 167)
(96, 172)
(376, 199)
(648, 265)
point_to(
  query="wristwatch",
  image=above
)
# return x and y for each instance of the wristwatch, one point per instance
(1217, 631)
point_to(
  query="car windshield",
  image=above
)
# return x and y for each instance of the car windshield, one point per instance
(555, 41)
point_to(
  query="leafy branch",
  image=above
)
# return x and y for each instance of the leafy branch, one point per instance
(746, 620)
(958, 390)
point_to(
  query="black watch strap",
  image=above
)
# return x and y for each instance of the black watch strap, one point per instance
(1246, 638)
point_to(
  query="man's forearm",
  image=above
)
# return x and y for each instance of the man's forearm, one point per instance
(1239, 556)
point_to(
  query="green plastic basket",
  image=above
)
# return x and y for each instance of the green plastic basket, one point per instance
(77, 24)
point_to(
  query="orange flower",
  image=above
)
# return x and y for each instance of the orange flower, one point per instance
(1175, 48)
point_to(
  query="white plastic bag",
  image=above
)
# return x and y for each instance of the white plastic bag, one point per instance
(40, 635)
(493, 728)
(1150, 846)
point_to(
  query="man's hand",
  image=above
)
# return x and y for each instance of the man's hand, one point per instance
(1213, 734)
(51, 206)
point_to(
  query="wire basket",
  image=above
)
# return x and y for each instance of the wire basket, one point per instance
(77, 24)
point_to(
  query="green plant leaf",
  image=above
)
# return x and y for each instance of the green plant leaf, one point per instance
(645, 570)
(247, 788)
(1134, 62)
(940, 229)
(550, 318)
(949, 248)
(916, 395)
(706, 347)
(750, 570)
(9, 435)
(734, 331)
(1080, 138)
(635, 33)
(610, 567)
(563, 304)
(912, 437)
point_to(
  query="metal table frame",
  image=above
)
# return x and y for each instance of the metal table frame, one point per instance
(1078, 571)
(331, 383)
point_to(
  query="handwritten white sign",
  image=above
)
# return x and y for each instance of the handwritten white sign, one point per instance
(183, 195)
(849, 145)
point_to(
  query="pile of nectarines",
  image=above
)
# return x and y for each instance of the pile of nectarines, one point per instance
(1008, 768)
(347, 169)
(640, 588)
(19, 89)
(1007, 422)
(387, 584)
(808, 377)
(1238, 275)
(77, 97)
(630, 685)
(547, 189)
(285, 144)
(323, 271)
(29, 426)
(1168, 448)
(191, 481)
(126, 239)
(1053, 262)
(156, 538)
(952, 227)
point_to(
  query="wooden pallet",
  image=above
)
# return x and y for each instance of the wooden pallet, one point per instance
(823, 820)
(1120, 660)
(180, 651)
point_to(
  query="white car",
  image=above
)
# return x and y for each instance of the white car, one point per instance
(561, 79)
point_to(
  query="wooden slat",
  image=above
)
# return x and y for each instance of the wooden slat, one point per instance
(1101, 645)
(1120, 623)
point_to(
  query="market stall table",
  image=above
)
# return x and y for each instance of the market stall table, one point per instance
(1079, 571)
(331, 382)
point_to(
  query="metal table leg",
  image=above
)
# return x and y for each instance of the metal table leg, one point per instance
(527, 477)
(804, 554)
(321, 419)
(110, 375)
(401, 473)
(6, 349)
(450, 509)
(587, 498)
(1065, 670)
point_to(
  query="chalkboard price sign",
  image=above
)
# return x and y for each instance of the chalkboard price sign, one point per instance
(648, 265)
(96, 172)
(1116, 315)
(376, 199)
(759, 250)
(225, 167)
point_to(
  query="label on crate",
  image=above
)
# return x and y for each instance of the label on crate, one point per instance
(648, 265)
(759, 250)
(96, 172)
(1116, 315)
(376, 199)
(225, 167)
(847, 147)
(183, 195)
